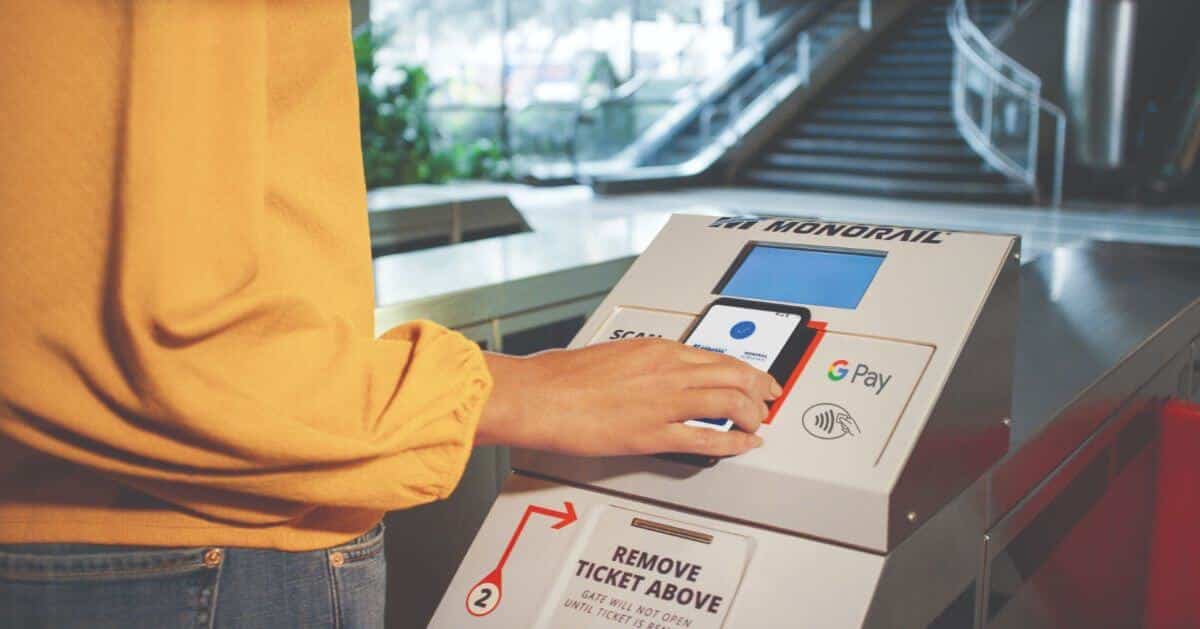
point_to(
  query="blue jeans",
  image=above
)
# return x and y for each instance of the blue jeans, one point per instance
(86, 585)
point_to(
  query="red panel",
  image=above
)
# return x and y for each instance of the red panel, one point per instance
(1173, 586)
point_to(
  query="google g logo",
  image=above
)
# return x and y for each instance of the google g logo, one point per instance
(838, 370)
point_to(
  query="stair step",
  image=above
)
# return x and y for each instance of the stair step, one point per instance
(914, 86)
(877, 116)
(936, 19)
(905, 45)
(883, 166)
(940, 102)
(914, 58)
(889, 186)
(932, 31)
(931, 20)
(941, 73)
(938, 15)
(888, 129)
(873, 132)
(927, 40)
(956, 152)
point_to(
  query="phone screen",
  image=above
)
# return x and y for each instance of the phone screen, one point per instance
(752, 335)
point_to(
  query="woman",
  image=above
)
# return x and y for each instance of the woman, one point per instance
(197, 426)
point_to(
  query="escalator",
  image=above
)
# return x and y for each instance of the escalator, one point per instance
(777, 58)
(694, 113)
(886, 126)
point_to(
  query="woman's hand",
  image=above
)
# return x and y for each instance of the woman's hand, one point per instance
(625, 397)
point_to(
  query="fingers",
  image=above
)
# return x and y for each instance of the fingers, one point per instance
(738, 375)
(695, 355)
(739, 372)
(746, 412)
(692, 440)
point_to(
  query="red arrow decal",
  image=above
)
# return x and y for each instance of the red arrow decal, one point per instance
(564, 518)
(486, 593)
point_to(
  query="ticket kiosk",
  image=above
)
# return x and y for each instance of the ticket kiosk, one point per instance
(897, 398)
(967, 439)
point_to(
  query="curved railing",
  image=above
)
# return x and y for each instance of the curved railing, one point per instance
(998, 105)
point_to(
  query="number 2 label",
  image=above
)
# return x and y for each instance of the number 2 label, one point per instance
(483, 598)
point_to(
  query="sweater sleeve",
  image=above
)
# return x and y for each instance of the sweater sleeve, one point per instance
(221, 363)
(258, 428)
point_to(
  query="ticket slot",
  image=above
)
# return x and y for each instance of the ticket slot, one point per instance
(667, 529)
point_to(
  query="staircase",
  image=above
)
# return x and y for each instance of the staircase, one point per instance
(887, 129)
(775, 64)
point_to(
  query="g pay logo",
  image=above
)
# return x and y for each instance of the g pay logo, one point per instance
(876, 381)
(838, 370)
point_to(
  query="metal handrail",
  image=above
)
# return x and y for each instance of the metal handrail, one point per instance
(624, 92)
(696, 97)
(974, 50)
(738, 99)
(745, 61)
(627, 92)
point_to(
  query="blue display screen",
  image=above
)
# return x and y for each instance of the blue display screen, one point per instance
(814, 277)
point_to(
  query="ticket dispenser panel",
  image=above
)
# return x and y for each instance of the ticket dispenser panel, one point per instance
(619, 563)
(894, 405)
(894, 309)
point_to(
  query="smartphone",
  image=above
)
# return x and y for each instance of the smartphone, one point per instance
(769, 337)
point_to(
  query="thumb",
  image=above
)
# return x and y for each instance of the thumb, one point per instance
(694, 440)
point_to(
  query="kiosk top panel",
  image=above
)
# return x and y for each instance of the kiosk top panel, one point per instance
(899, 317)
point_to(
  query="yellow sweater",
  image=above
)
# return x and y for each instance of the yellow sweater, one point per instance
(186, 332)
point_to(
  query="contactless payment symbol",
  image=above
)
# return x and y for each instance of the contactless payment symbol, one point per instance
(838, 370)
(829, 421)
(742, 329)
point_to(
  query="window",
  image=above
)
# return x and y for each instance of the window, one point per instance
(519, 71)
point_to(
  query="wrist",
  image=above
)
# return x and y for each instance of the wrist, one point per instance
(506, 417)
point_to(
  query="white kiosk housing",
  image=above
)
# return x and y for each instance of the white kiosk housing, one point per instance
(883, 526)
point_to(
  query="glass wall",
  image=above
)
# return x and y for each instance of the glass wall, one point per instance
(458, 44)
(554, 80)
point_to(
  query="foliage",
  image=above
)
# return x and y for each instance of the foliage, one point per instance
(481, 159)
(399, 140)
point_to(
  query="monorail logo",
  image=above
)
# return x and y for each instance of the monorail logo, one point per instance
(869, 232)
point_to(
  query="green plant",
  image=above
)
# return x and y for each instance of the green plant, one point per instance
(481, 159)
(397, 136)
(399, 140)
